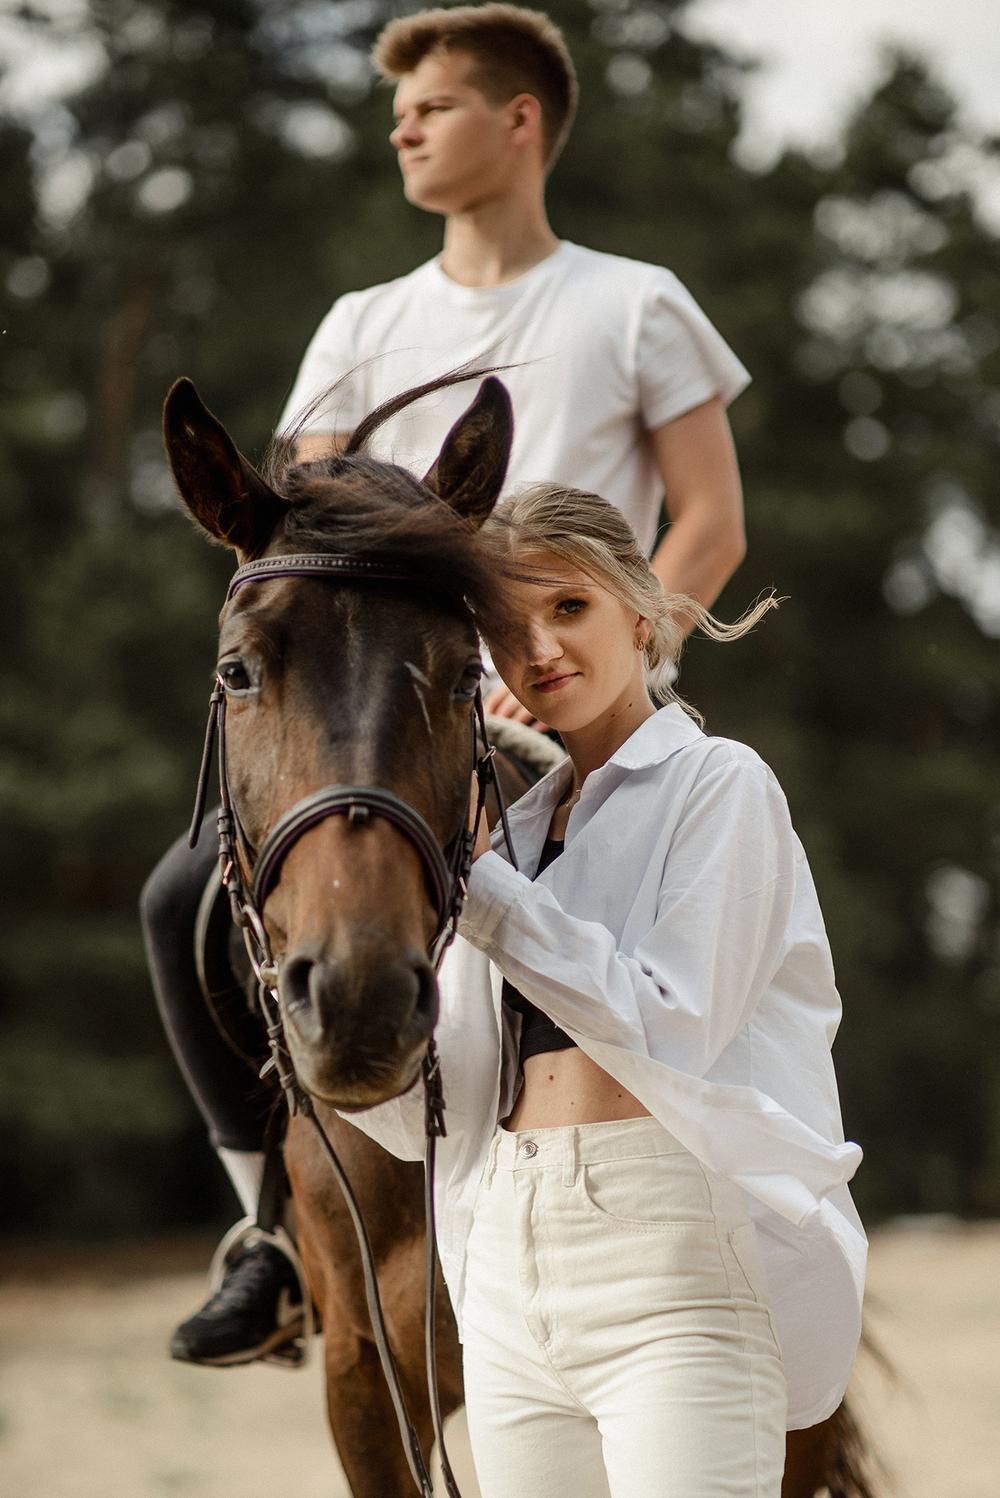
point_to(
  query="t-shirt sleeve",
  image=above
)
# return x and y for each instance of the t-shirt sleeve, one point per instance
(328, 370)
(681, 358)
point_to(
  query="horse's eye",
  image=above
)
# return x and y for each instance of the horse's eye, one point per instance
(235, 677)
(468, 682)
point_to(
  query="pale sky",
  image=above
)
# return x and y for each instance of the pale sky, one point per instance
(821, 56)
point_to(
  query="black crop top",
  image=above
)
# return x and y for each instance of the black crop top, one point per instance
(538, 1033)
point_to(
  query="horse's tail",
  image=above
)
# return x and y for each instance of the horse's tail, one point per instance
(856, 1468)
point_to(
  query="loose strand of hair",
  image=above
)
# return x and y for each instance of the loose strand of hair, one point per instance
(396, 403)
(716, 629)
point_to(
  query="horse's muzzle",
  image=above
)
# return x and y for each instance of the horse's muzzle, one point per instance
(357, 1029)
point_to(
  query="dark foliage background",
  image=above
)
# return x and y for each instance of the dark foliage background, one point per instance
(194, 209)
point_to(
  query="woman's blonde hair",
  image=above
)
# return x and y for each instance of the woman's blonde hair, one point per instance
(589, 534)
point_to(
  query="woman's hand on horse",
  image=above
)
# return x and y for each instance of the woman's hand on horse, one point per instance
(501, 703)
(482, 843)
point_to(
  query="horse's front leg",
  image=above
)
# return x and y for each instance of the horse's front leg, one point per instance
(360, 1411)
(363, 1422)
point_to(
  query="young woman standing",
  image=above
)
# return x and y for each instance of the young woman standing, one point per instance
(653, 1256)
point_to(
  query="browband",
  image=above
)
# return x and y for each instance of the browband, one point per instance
(333, 564)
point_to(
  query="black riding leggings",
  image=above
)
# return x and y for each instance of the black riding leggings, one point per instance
(219, 1047)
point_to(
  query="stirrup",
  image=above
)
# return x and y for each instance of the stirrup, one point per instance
(295, 1352)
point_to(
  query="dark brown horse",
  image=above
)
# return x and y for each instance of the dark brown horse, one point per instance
(368, 683)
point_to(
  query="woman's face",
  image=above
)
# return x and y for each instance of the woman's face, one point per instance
(570, 655)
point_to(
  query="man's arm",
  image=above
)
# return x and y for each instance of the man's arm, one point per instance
(313, 445)
(706, 541)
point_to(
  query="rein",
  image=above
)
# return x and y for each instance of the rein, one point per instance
(447, 872)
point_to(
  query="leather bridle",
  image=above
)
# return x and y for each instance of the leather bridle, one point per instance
(447, 873)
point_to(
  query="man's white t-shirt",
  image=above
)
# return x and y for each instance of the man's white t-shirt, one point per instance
(604, 350)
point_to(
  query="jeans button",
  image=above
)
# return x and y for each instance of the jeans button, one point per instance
(529, 1148)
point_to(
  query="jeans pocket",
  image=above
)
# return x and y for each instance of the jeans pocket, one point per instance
(649, 1194)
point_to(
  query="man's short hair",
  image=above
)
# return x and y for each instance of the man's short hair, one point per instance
(513, 51)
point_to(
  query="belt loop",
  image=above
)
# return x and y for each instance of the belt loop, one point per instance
(570, 1156)
(491, 1158)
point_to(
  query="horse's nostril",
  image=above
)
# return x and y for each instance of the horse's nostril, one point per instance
(426, 1004)
(338, 1007)
(295, 975)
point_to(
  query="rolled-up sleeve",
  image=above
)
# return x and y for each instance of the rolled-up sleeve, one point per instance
(691, 982)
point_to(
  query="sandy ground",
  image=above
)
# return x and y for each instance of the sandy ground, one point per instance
(90, 1406)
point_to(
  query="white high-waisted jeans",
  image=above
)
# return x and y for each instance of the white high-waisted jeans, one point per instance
(617, 1339)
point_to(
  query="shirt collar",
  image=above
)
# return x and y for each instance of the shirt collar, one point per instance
(657, 738)
(654, 740)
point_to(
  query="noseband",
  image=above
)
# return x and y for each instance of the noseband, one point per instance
(447, 874)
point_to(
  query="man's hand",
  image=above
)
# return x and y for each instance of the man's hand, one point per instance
(313, 446)
(502, 703)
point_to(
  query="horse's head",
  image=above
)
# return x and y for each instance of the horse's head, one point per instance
(356, 682)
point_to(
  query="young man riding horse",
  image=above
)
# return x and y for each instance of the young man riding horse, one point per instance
(620, 386)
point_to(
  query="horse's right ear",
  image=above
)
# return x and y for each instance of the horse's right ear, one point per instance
(222, 491)
(470, 468)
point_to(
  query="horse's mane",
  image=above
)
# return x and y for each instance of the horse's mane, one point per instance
(360, 505)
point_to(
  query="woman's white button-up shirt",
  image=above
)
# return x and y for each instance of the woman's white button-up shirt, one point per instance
(679, 941)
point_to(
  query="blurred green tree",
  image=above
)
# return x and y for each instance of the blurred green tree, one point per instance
(194, 208)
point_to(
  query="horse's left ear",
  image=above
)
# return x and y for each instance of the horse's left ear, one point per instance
(470, 468)
(222, 491)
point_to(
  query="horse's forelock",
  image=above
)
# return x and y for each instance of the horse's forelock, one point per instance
(342, 480)
(360, 506)
(356, 504)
